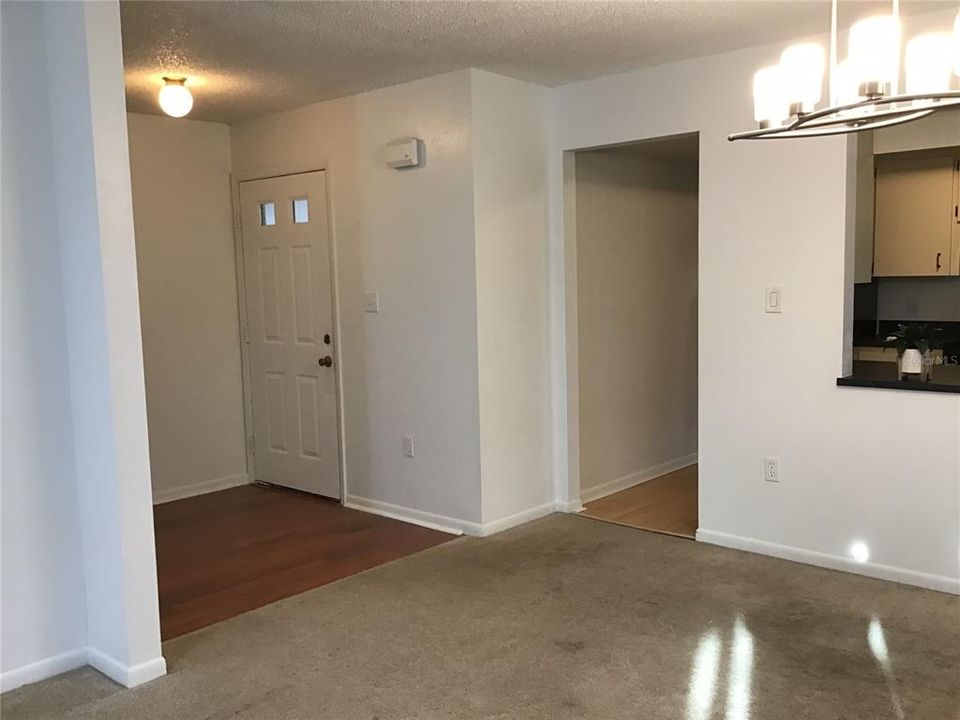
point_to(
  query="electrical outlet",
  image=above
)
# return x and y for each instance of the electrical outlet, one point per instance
(371, 302)
(409, 448)
(771, 469)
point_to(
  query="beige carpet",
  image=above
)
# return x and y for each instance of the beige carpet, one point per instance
(562, 618)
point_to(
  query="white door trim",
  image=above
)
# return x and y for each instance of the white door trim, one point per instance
(236, 178)
(564, 329)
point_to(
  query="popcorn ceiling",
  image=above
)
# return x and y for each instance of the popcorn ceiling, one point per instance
(245, 59)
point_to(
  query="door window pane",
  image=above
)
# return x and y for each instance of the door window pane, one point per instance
(300, 211)
(268, 214)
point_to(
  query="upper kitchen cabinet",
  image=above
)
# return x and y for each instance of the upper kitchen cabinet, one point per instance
(916, 231)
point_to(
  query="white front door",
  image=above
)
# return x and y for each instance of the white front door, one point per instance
(286, 264)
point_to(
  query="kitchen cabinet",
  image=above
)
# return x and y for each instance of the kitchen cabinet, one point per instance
(916, 215)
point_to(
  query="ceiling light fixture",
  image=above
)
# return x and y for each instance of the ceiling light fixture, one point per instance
(175, 98)
(864, 88)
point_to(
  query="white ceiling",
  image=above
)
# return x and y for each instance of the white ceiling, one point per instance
(251, 58)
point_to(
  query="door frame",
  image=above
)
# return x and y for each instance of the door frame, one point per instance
(265, 173)
(565, 319)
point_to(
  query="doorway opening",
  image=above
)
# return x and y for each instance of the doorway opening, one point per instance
(636, 222)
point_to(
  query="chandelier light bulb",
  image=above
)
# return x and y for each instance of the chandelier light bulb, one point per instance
(769, 107)
(847, 83)
(175, 99)
(801, 72)
(928, 61)
(874, 50)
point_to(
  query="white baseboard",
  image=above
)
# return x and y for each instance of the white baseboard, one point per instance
(834, 562)
(628, 481)
(524, 516)
(202, 488)
(451, 525)
(42, 669)
(571, 506)
(444, 523)
(128, 676)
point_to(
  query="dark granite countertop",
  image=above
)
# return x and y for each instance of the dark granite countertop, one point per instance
(915, 385)
(883, 375)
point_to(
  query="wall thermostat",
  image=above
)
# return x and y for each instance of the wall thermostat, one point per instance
(403, 153)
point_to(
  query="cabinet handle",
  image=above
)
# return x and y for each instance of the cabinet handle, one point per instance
(938, 260)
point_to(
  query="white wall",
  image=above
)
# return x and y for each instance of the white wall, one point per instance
(773, 213)
(636, 235)
(43, 605)
(941, 129)
(180, 174)
(95, 216)
(455, 250)
(98, 467)
(409, 236)
(510, 139)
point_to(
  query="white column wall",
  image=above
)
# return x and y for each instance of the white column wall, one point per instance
(43, 607)
(95, 218)
(510, 144)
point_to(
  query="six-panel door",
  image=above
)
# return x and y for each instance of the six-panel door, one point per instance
(286, 264)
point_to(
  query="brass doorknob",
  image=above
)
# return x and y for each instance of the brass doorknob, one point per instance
(326, 361)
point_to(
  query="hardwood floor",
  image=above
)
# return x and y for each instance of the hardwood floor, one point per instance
(666, 504)
(222, 554)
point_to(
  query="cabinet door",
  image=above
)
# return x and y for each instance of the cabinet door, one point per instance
(914, 216)
(955, 247)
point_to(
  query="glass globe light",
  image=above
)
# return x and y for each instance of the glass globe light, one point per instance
(175, 99)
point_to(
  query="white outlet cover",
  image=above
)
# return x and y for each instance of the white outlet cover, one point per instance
(409, 447)
(371, 302)
(771, 469)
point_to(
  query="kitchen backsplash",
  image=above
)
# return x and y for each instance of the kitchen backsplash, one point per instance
(935, 299)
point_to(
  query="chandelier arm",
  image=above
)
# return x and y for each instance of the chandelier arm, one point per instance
(881, 114)
(851, 126)
(842, 115)
(888, 100)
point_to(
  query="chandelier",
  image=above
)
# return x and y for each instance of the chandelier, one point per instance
(863, 88)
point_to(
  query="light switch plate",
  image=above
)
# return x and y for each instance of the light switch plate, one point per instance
(371, 302)
(773, 299)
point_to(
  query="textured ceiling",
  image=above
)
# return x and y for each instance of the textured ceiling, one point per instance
(251, 58)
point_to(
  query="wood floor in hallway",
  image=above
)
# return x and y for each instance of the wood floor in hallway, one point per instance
(666, 504)
(224, 553)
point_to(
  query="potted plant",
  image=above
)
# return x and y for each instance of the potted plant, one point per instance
(913, 342)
